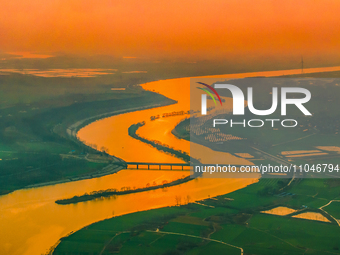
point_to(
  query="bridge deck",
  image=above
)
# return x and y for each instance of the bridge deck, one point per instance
(148, 164)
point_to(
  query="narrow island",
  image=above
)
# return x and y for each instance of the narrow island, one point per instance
(157, 144)
(114, 192)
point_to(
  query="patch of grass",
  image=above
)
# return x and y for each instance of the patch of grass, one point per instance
(184, 228)
(214, 248)
(191, 220)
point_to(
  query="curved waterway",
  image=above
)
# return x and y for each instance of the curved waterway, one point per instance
(31, 222)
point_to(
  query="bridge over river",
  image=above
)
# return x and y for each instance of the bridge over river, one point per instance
(157, 166)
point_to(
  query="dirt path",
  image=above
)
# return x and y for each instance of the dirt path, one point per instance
(321, 208)
(104, 248)
(204, 238)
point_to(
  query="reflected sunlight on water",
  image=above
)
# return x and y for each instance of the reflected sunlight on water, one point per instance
(30, 220)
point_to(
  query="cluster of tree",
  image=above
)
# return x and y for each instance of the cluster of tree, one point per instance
(170, 114)
(186, 200)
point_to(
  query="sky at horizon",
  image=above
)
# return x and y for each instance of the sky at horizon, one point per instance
(190, 29)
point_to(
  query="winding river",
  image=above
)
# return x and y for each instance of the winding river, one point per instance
(31, 222)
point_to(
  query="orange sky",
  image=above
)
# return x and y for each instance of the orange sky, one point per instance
(202, 28)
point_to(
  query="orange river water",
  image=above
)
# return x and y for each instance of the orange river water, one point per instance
(31, 222)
